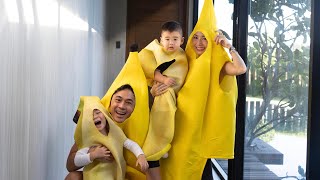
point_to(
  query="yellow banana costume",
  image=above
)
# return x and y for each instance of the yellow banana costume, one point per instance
(87, 135)
(136, 126)
(205, 117)
(162, 114)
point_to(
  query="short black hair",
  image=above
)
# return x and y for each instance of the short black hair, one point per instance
(172, 26)
(123, 87)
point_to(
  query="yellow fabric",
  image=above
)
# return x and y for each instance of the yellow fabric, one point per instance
(162, 114)
(87, 135)
(178, 70)
(148, 64)
(205, 117)
(161, 127)
(135, 127)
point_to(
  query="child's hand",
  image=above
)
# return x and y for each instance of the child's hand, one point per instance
(158, 88)
(142, 161)
(169, 81)
(101, 153)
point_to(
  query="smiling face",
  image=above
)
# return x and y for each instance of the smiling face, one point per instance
(171, 41)
(100, 121)
(122, 105)
(199, 43)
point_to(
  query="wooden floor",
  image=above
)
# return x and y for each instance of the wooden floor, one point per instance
(254, 169)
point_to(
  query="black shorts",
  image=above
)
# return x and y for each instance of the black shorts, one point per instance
(153, 164)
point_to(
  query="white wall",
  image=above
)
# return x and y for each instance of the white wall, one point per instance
(49, 56)
(117, 18)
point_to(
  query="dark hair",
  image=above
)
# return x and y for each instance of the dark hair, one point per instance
(172, 26)
(123, 87)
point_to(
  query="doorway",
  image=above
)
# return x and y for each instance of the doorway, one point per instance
(145, 18)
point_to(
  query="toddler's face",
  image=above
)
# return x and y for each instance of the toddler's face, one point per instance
(99, 120)
(171, 41)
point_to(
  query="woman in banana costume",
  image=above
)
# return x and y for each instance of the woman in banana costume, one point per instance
(205, 116)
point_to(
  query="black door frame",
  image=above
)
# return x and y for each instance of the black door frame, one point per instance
(240, 41)
(313, 143)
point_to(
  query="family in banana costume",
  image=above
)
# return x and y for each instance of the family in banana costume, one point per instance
(202, 109)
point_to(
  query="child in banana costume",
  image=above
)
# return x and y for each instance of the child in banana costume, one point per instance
(163, 62)
(96, 127)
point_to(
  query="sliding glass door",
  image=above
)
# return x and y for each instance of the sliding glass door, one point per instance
(277, 89)
(275, 96)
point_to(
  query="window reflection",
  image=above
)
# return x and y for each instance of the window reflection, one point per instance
(70, 21)
(277, 89)
(12, 11)
(28, 11)
(48, 12)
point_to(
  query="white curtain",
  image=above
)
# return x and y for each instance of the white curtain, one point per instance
(51, 52)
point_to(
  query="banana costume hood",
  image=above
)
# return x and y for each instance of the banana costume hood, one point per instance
(162, 114)
(136, 126)
(205, 117)
(87, 135)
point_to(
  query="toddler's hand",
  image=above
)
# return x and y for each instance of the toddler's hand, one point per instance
(158, 89)
(169, 81)
(142, 161)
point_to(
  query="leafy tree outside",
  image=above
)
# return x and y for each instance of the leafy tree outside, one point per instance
(278, 65)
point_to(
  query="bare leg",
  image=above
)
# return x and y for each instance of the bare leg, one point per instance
(74, 175)
(154, 174)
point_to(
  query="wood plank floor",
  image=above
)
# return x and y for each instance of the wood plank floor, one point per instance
(254, 169)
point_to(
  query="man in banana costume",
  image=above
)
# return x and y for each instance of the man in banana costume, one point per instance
(135, 127)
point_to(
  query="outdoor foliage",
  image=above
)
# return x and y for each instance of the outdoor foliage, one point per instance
(301, 176)
(278, 61)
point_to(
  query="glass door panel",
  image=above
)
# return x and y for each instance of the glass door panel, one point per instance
(277, 89)
(224, 12)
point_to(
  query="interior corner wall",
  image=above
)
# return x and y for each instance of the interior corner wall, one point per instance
(116, 25)
(190, 6)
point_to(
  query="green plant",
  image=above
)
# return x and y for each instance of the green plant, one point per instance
(302, 174)
(278, 64)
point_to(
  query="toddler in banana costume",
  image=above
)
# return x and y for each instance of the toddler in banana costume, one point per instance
(97, 127)
(163, 62)
(110, 135)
